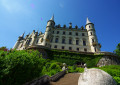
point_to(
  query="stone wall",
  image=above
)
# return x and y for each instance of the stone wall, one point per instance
(108, 60)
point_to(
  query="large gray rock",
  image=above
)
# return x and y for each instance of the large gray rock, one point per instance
(95, 77)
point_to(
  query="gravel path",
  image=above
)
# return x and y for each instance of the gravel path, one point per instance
(68, 79)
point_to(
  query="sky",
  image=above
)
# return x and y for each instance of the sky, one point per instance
(19, 16)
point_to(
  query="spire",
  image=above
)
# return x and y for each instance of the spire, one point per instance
(52, 17)
(22, 35)
(88, 21)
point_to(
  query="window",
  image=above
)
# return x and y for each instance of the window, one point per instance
(56, 40)
(92, 40)
(77, 49)
(63, 32)
(70, 48)
(83, 34)
(70, 33)
(63, 47)
(37, 41)
(51, 40)
(91, 33)
(63, 41)
(57, 32)
(84, 43)
(77, 42)
(85, 49)
(28, 42)
(89, 26)
(95, 49)
(55, 46)
(70, 41)
(76, 34)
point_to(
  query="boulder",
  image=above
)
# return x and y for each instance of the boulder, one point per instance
(95, 77)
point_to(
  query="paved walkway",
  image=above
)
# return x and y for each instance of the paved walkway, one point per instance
(68, 79)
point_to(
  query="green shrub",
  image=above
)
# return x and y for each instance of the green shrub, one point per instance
(114, 71)
(70, 58)
(17, 67)
(51, 68)
(72, 69)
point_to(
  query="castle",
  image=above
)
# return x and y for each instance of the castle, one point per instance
(65, 38)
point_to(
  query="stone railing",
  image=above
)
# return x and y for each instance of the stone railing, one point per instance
(58, 76)
(45, 80)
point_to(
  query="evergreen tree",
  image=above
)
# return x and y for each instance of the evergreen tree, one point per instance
(117, 51)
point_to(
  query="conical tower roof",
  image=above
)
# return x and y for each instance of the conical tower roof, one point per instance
(87, 21)
(52, 18)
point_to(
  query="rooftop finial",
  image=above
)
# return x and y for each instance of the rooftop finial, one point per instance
(52, 17)
(22, 35)
(88, 21)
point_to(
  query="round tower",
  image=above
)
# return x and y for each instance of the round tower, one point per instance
(95, 46)
(48, 32)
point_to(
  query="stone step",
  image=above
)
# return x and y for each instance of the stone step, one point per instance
(68, 79)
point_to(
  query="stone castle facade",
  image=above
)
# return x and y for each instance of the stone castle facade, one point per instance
(65, 38)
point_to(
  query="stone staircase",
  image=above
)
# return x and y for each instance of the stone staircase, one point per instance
(68, 79)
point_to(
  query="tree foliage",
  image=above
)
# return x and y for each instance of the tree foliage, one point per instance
(117, 51)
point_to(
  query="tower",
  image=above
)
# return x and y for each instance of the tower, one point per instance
(18, 41)
(95, 46)
(48, 32)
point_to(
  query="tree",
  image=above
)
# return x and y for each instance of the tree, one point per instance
(4, 48)
(117, 51)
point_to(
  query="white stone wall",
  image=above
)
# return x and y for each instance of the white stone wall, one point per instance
(45, 39)
(74, 38)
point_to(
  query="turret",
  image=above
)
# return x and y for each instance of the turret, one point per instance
(47, 35)
(18, 41)
(95, 46)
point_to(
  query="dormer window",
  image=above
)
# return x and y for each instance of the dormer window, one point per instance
(82, 28)
(64, 26)
(76, 27)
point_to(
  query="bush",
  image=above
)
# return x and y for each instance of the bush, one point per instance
(18, 67)
(51, 68)
(113, 70)
(72, 69)
(70, 58)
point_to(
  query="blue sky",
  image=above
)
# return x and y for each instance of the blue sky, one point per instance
(17, 16)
